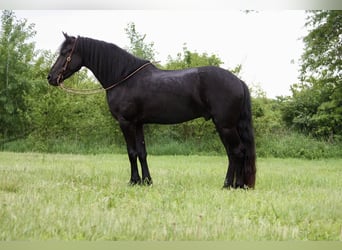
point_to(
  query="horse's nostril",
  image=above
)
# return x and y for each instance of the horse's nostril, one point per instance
(49, 77)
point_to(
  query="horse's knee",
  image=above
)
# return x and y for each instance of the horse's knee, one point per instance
(132, 153)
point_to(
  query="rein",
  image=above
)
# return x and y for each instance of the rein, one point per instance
(98, 90)
(90, 91)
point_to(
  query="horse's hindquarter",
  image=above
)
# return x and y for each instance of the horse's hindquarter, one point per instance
(223, 93)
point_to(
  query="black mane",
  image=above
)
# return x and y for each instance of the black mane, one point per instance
(108, 62)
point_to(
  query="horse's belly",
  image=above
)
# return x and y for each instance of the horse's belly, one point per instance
(170, 119)
(172, 112)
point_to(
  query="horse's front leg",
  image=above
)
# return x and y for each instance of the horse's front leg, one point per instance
(142, 154)
(129, 131)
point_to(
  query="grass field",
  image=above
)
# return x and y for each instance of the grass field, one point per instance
(74, 197)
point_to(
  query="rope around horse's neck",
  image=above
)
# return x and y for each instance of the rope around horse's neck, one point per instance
(98, 90)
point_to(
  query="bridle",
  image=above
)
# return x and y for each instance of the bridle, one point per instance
(90, 91)
(68, 60)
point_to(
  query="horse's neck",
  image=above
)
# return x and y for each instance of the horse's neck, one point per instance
(108, 62)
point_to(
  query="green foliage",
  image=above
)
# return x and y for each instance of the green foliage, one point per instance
(189, 59)
(323, 53)
(265, 111)
(285, 144)
(16, 58)
(266, 116)
(315, 105)
(138, 46)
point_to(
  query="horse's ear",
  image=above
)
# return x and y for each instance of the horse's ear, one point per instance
(65, 35)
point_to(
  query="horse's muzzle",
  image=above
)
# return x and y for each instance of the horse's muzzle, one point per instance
(53, 81)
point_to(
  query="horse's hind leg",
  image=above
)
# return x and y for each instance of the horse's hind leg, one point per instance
(232, 143)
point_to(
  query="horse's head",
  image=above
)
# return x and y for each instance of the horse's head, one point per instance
(68, 62)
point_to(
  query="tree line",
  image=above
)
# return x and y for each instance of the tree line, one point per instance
(36, 116)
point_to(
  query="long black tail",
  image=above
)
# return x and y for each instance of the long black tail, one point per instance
(245, 130)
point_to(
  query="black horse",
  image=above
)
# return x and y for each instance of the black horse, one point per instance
(139, 93)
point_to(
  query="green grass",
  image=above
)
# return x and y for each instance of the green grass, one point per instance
(281, 144)
(74, 197)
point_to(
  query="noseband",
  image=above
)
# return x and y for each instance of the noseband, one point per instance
(68, 60)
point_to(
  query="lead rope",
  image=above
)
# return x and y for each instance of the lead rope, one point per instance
(98, 90)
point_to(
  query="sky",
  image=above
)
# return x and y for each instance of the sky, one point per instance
(268, 44)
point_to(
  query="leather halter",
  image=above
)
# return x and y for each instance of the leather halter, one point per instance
(68, 60)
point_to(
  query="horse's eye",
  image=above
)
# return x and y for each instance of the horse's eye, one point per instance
(65, 52)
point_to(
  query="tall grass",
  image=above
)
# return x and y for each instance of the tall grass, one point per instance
(280, 145)
(78, 197)
(296, 145)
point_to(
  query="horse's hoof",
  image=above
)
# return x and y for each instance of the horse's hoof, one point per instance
(239, 186)
(134, 182)
(226, 186)
(147, 182)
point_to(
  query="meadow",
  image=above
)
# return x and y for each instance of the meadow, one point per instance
(86, 197)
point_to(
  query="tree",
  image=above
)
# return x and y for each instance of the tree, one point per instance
(16, 58)
(322, 57)
(188, 59)
(316, 103)
(138, 46)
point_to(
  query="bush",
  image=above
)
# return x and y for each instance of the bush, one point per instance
(289, 144)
